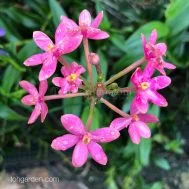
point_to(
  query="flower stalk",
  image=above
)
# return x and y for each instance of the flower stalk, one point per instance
(91, 112)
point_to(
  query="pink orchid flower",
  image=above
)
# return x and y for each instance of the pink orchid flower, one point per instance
(35, 98)
(137, 123)
(146, 90)
(154, 54)
(63, 44)
(85, 142)
(87, 28)
(71, 81)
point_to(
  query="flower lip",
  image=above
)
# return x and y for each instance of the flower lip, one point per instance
(86, 138)
(144, 85)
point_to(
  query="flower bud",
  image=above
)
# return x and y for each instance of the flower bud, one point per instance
(93, 58)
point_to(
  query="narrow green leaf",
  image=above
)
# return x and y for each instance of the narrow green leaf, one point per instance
(162, 163)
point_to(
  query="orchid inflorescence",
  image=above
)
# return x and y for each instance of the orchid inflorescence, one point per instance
(68, 37)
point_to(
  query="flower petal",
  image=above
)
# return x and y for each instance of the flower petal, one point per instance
(35, 59)
(35, 114)
(143, 129)
(96, 22)
(148, 118)
(160, 82)
(29, 87)
(137, 76)
(85, 18)
(42, 40)
(73, 124)
(64, 142)
(120, 123)
(80, 154)
(156, 98)
(44, 111)
(43, 86)
(97, 153)
(48, 68)
(169, 66)
(153, 37)
(105, 134)
(140, 102)
(161, 48)
(97, 34)
(56, 81)
(28, 100)
(133, 133)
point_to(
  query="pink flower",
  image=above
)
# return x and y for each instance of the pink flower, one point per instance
(63, 44)
(137, 124)
(85, 142)
(35, 98)
(146, 90)
(71, 81)
(154, 54)
(87, 28)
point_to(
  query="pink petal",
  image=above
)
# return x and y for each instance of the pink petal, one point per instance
(160, 82)
(67, 28)
(160, 68)
(120, 123)
(169, 66)
(42, 40)
(57, 81)
(156, 98)
(148, 118)
(64, 142)
(44, 111)
(85, 18)
(97, 153)
(153, 37)
(149, 69)
(28, 100)
(29, 87)
(35, 59)
(65, 87)
(141, 103)
(143, 129)
(97, 34)
(80, 154)
(35, 114)
(105, 134)
(162, 48)
(136, 76)
(69, 44)
(76, 68)
(48, 68)
(43, 86)
(96, 22)
(73, 124)
(133, 133)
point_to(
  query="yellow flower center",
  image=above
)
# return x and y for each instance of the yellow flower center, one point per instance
(72, 77)
(144, 85)
(86, 139)
(50, 47)
(135, 117)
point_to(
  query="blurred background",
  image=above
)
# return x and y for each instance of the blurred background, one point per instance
(157, 163)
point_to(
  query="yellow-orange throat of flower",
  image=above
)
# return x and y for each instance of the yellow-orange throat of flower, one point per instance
(72, 77)
(144, 85)
(86, 139)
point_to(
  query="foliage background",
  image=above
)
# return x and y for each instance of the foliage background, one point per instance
(125, 20)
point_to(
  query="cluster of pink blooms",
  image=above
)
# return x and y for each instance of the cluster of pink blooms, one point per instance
(68, 37)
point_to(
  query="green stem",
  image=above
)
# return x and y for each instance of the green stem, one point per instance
(125, 71)
(114, 108)
(91, 111)
(53, 97)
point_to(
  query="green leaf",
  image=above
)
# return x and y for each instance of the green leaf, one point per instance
(96, 117)
(162, 163)
(8, 81)
(155, 110)
(157, 185)
(9, 114)
(177, 17)
(57, 11)
(72, 105)
(145, 147)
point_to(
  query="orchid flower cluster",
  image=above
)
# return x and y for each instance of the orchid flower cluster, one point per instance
(71, 84)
